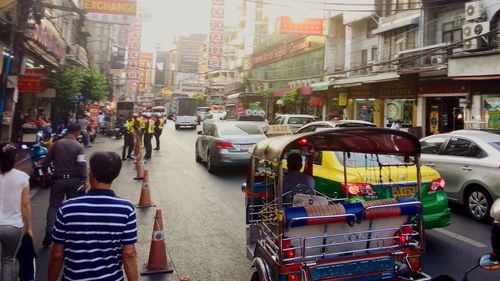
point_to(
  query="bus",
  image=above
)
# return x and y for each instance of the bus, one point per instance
(185, 113)
(246, 107)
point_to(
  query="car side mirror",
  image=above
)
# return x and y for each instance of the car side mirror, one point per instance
(199, 132)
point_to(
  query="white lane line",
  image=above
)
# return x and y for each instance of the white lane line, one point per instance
(460, 237)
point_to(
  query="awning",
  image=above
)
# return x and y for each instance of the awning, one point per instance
(356, 81)
(321, 86)
(280, 92)
(477, 78)
(397, 23)
(305, 91)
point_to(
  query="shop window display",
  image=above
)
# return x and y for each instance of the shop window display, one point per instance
(399, 110)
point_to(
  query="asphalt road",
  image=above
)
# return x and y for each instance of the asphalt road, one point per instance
(203, 216)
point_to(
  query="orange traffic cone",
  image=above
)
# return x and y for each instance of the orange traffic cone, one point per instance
(185, 278)
(157, 262)
(145, 199)
(139, 170)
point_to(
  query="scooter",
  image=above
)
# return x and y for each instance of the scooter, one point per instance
(489, 261)
(41, 175)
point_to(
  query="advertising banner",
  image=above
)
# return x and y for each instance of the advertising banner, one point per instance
(160, 67)
(310, 26)
(111, 11)
(31, 84)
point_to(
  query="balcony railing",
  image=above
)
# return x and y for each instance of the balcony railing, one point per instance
(428, 58)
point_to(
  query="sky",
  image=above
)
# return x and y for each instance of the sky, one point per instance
(173, 18)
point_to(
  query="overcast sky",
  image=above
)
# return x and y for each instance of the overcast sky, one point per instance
(172, 18)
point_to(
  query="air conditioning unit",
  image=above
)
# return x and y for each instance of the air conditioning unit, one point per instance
(436, 59)
(474, 11)
(472, 44)
(474, 29)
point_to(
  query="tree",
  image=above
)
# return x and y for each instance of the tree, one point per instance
(94, 86)
(267, 92)
(291, 98)
(66, 82)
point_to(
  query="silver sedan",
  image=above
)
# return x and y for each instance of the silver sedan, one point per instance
(226, 143)
(469, 161)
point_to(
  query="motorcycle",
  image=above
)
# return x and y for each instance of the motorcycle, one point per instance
(118, 133)
(41, 176)
(490, 261)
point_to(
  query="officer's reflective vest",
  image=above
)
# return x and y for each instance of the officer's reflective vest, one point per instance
(130, 126)
(151, 126)
(161, 122)
(142, 123)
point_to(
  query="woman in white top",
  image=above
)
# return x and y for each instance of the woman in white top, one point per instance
(15, 210)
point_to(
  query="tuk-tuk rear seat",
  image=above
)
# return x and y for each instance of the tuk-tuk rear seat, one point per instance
(339, 226)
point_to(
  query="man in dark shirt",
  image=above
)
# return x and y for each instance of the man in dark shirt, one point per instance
(95, 234)
(70, 172)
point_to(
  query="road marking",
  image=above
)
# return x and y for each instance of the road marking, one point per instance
(460, 237)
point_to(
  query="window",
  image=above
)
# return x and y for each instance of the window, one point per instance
(277, 120)
(475, 151)
(299, 120)
(355, 159)
(317, 157)
(495, 145)
(432, 145)
(374, 54)
(452, 31)
(239, 129)
(457, 147)
(364, 57)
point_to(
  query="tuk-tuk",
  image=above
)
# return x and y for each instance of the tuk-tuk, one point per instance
(316, 237)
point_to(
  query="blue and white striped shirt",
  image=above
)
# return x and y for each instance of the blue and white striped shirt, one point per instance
(93, 229)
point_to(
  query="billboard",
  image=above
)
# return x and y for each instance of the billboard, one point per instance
(309, 26)
(111, 11)
(160, 67)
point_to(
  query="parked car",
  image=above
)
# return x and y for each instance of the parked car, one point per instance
(294, 121)
(469, 162)
(321, 125)
(211, 118)
(227, 143)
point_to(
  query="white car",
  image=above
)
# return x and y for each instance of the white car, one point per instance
(294, 121)
(321, 125)
(211, 118)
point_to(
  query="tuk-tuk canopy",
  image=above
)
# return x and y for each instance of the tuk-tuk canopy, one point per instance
(362, 140)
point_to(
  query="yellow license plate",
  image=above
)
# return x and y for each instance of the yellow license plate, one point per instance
(403, 191)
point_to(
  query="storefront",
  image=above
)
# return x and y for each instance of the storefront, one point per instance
(445, 105)
(486, 103)
(399, 102)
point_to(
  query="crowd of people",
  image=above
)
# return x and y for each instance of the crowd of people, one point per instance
(142, 128)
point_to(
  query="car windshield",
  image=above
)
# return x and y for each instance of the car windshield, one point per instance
(299, 120)
(355, 159)
(239, 129)
(496, 145)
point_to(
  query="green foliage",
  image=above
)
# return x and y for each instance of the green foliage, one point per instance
(291, 98)
(71, 82)
(267, 92)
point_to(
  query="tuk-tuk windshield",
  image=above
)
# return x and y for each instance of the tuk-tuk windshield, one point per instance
(355, 159)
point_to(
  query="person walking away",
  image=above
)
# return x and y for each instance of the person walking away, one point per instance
(15, 210)
(83, 122)
(159, 122)
(102, 123)
(148, 136)
(128, 138)
(68, 157)
(96, 233)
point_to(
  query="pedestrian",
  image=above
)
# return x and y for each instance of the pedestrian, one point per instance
(83, 122)
(396, 125)
(128, 138)
(68, 157)
(159, 122)
(95, 234)
(148, 135)
(102, 122)
(15, 210)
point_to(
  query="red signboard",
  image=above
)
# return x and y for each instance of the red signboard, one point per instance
(94, 113)
(35, 71)
(31, 84)
(280, 52)
(310, 26)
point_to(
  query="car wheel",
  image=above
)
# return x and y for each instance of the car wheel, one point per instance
(478, 203)
(197, 155)
(210, 166)
(177, 127)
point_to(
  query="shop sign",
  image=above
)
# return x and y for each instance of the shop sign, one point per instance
(35, 71)
(309, 26)
(493, 119)
(343, 99)
(316, 101)
(94, 113)
(31, 84)
(46, 35)
(281, 51)
(395, 89)
(443, 87)
(111, 11)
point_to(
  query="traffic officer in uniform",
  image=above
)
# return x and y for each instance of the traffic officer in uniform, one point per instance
(128, 138)
(159, 122)
(70, 174)
(148, 135)
(141, 121)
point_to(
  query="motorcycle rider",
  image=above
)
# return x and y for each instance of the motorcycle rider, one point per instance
(148, 135)
(128, 138)
(70, 173)
(159, 122)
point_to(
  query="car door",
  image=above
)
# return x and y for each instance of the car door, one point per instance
(461, 162)
(431, 148)
(206, 140)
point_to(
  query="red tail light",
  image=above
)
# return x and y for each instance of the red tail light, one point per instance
(224, 145)
(293, 277)
(287, 252)
(358, 189)
(303, 141)
(403, 234)
(436, 184)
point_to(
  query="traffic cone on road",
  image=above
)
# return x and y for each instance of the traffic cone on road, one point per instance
(185, 278)
(157, 262)
(145, 199)
(139, 168)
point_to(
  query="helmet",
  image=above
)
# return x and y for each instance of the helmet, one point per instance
(148, 114)
(158, 114)
(135, 115)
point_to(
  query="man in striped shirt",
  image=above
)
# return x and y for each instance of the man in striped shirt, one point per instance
(94, 235)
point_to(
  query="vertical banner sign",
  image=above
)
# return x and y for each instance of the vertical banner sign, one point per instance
(216, 35)
(134, 56)
(144, 72)
(111, 11)
(160, 67)
(94, 113)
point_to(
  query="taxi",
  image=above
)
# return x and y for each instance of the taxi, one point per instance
(373, 177)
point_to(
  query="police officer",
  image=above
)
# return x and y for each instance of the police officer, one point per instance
(70, 173)
(141, 124)
(128, 138)
(159, 122)
(148, 135)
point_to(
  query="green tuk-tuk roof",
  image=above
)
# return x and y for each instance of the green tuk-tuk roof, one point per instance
(362, 140)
